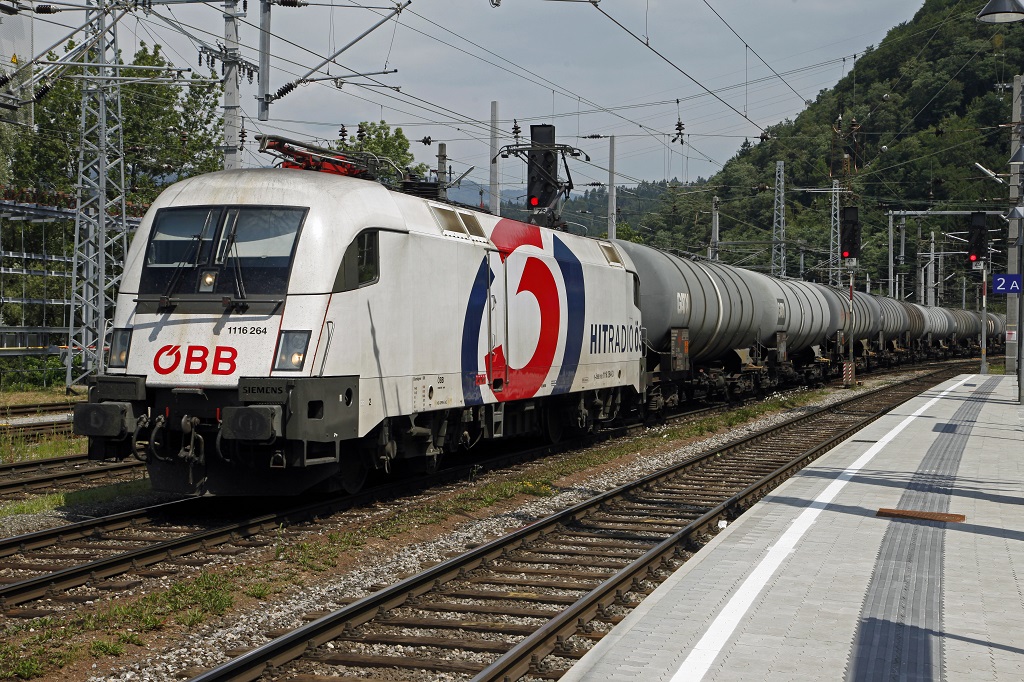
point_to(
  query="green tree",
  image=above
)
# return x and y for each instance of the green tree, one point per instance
(380, 140)
(170, 132)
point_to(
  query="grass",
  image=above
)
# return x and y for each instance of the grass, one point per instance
(16, 448)
(40, 646)
(89, 496)
(53, 394)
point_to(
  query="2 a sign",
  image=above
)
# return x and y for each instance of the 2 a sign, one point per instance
(1005, 284)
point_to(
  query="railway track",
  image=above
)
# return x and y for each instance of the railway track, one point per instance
(531, 603)
(34, 409)
(70, 472)
(33, 430)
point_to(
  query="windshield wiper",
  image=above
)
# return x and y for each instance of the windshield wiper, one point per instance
(236, 268)
(194, 254)
(195, 247)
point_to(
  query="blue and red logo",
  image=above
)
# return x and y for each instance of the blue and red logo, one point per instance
(546, 285)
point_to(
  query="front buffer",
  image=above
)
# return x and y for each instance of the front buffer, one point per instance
(270, 436)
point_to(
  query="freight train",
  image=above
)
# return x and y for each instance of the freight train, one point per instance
(278, 331)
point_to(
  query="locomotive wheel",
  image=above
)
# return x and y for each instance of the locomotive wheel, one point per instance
(554, 429)
(352, 473)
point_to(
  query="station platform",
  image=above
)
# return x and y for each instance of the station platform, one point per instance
(812, 583)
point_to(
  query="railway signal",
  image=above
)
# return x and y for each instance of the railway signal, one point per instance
(542, 168)
(977, 240)
(849, 236)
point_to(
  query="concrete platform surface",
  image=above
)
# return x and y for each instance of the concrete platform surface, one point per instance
(812, 584)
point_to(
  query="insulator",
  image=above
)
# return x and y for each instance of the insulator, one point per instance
(516, 130)
(426, 140)
(223, 68)
(42, 92)
(284, 90)
(46, 9)
(289, 3)
(361, 133)
(245, 5)
(250, 75)
(343, 134)
(4, 79)
(200, 60)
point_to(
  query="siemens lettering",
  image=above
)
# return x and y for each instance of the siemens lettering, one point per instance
(615, 338)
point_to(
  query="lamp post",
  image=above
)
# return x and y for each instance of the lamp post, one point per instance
(1003, 12)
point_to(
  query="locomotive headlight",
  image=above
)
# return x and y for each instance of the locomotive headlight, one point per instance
(207, 281)
(291, 350)
(120, 342)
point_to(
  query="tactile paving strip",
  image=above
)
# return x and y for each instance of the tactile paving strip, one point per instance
(902, 613)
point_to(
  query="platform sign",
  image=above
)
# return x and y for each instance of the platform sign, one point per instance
(1005, 284)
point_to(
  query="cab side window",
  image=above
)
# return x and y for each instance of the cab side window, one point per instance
(361, 264)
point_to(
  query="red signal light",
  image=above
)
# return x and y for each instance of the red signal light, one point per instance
(973, 257)
(846, 254)
(534, 201)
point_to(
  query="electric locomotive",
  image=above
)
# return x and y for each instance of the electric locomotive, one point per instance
(279, 330)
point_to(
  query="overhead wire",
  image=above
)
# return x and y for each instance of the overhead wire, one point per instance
(747, 45)
(675, 66)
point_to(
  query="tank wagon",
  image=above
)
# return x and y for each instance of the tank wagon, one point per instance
(282, 330)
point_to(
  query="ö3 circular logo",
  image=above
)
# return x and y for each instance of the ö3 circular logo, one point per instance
(543, 282)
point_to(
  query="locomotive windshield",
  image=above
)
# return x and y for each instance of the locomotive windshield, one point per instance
(224, 250)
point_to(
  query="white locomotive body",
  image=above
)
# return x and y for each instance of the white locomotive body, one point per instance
(278, 330)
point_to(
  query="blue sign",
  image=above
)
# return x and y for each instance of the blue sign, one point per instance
(1005, 284)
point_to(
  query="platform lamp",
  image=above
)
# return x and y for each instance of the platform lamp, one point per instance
(1017, 213)
(1004, 12)
(1001, 12)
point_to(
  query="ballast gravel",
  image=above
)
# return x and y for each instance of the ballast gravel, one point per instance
(205, 646)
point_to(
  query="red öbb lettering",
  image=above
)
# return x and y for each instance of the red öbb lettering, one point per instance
(163, 367)
(224, 360)
(197, 360)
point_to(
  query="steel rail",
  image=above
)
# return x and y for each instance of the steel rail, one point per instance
(281, 650)
(48, 478)
(38, 408)
(28, 465)
(81, 529)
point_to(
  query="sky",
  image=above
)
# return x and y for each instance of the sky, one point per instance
(628, 68)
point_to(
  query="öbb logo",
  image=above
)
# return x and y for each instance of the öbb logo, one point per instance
(197, 360)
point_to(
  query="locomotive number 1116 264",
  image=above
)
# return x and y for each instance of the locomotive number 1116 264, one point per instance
(243, 329)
